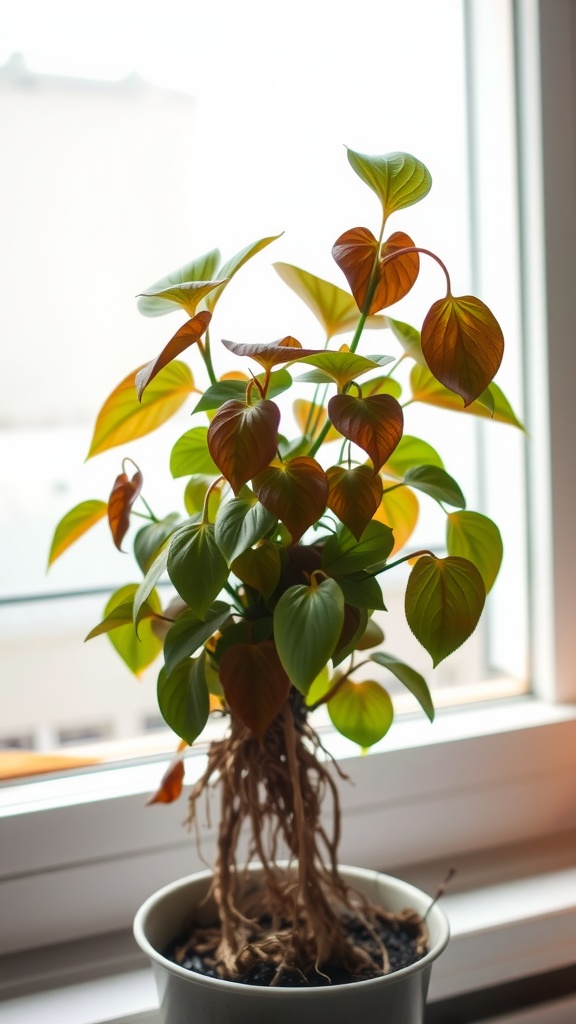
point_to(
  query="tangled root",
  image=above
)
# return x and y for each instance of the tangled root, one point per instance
(277, 787)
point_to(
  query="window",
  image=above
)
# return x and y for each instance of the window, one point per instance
(92, 825)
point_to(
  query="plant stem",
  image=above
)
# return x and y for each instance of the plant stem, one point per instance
(406, 558)
(206, 356)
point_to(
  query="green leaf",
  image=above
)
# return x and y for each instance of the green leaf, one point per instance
(443, 603)
(332, 306)
(362, 712)
(121, 615)
(137, 651)
(411, 451)
(355, 622)
(362, 591)
(381, 386)
(183, 698)
(150, 539)
(188, 294)
(398, 179)
(189, 633)
(307, 625)
(195, 494)
(341, 367)
(246, 631)
(342, 554)
(409, 338)
(259, 567)
(74, 524)
(437, 483)
(320, 687)
(156, 570)
(190, 455)
(232, 266)
(123, 418)
(425, 388)
(475, 537)
(196, 566)
(411, 679)
(201, 269)
(227, 390)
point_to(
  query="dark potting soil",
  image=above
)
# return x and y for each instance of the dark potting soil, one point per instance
(400, 940)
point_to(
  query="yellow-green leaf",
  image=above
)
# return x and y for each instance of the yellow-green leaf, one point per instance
(190, 455)
(123, 418)
(425, 388)
(138, 651)
(398, 179)
(188, 294)
(259, 567)
(475, 537)
(74, 524)
(411, 679)
(203, 268)
(362, 712)
(332, 306)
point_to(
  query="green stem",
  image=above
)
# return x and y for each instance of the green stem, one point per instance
(206, 356)
(150, 512)
(406, 558)
(370, 293)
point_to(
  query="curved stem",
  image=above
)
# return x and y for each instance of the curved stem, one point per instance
(206, 356)
(426, 252)
(406, 558)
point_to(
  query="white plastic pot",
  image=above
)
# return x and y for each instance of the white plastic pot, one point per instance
(187, 997)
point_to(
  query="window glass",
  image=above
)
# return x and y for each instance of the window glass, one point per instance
(135, 138)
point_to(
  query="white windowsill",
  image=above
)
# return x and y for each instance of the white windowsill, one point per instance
(517, 919)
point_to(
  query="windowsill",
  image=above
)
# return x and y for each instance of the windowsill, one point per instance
(512, 913)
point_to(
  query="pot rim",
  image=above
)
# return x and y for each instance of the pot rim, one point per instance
(350, 873)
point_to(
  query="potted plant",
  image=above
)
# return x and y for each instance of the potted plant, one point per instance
(276, 569)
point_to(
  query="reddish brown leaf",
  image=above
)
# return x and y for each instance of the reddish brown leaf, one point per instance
(170, 786)
(354, 495)
(242, 439)
(122, 497)
(187, 335)
(270, 354)
(355, 253)
(255, 685)
(374, 423)
(295, 492)
(463, 345)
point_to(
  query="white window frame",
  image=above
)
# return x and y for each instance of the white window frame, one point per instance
(78, 855)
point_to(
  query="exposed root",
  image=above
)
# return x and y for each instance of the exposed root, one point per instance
(295, 921)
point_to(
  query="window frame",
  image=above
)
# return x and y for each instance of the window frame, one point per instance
(78, 855)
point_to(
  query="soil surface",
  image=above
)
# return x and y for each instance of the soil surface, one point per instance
(399, 939)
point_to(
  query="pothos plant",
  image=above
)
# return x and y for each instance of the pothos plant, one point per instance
(281, 556)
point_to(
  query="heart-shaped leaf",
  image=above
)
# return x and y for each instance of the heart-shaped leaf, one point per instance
(425, 388)
(307, 625)
(259, 567)
(372, 636)
(189, 633)
(123, 615)
(362, 712)
(196, 566)
(462, 343)
(187, 335)
(381, 386)
(201, 269)
(475, 537)
(411, 679)
(399, 510)
(150, 539)
(294, 492)
(232, 266)
(122, 497)
(156, 570)
(183, 698)
(355, 622)
(255, 684)
(354, 496)
(332, 306)
(375, 424)
(376, 277)
(398, 179)
(342, 554)
(437, 483)
(190, 455)
(411, 451)
(240, 523)
(136, 651)
(362, 591)
(74, 524)
(123, 418)
(443, 603)
(243, 439)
